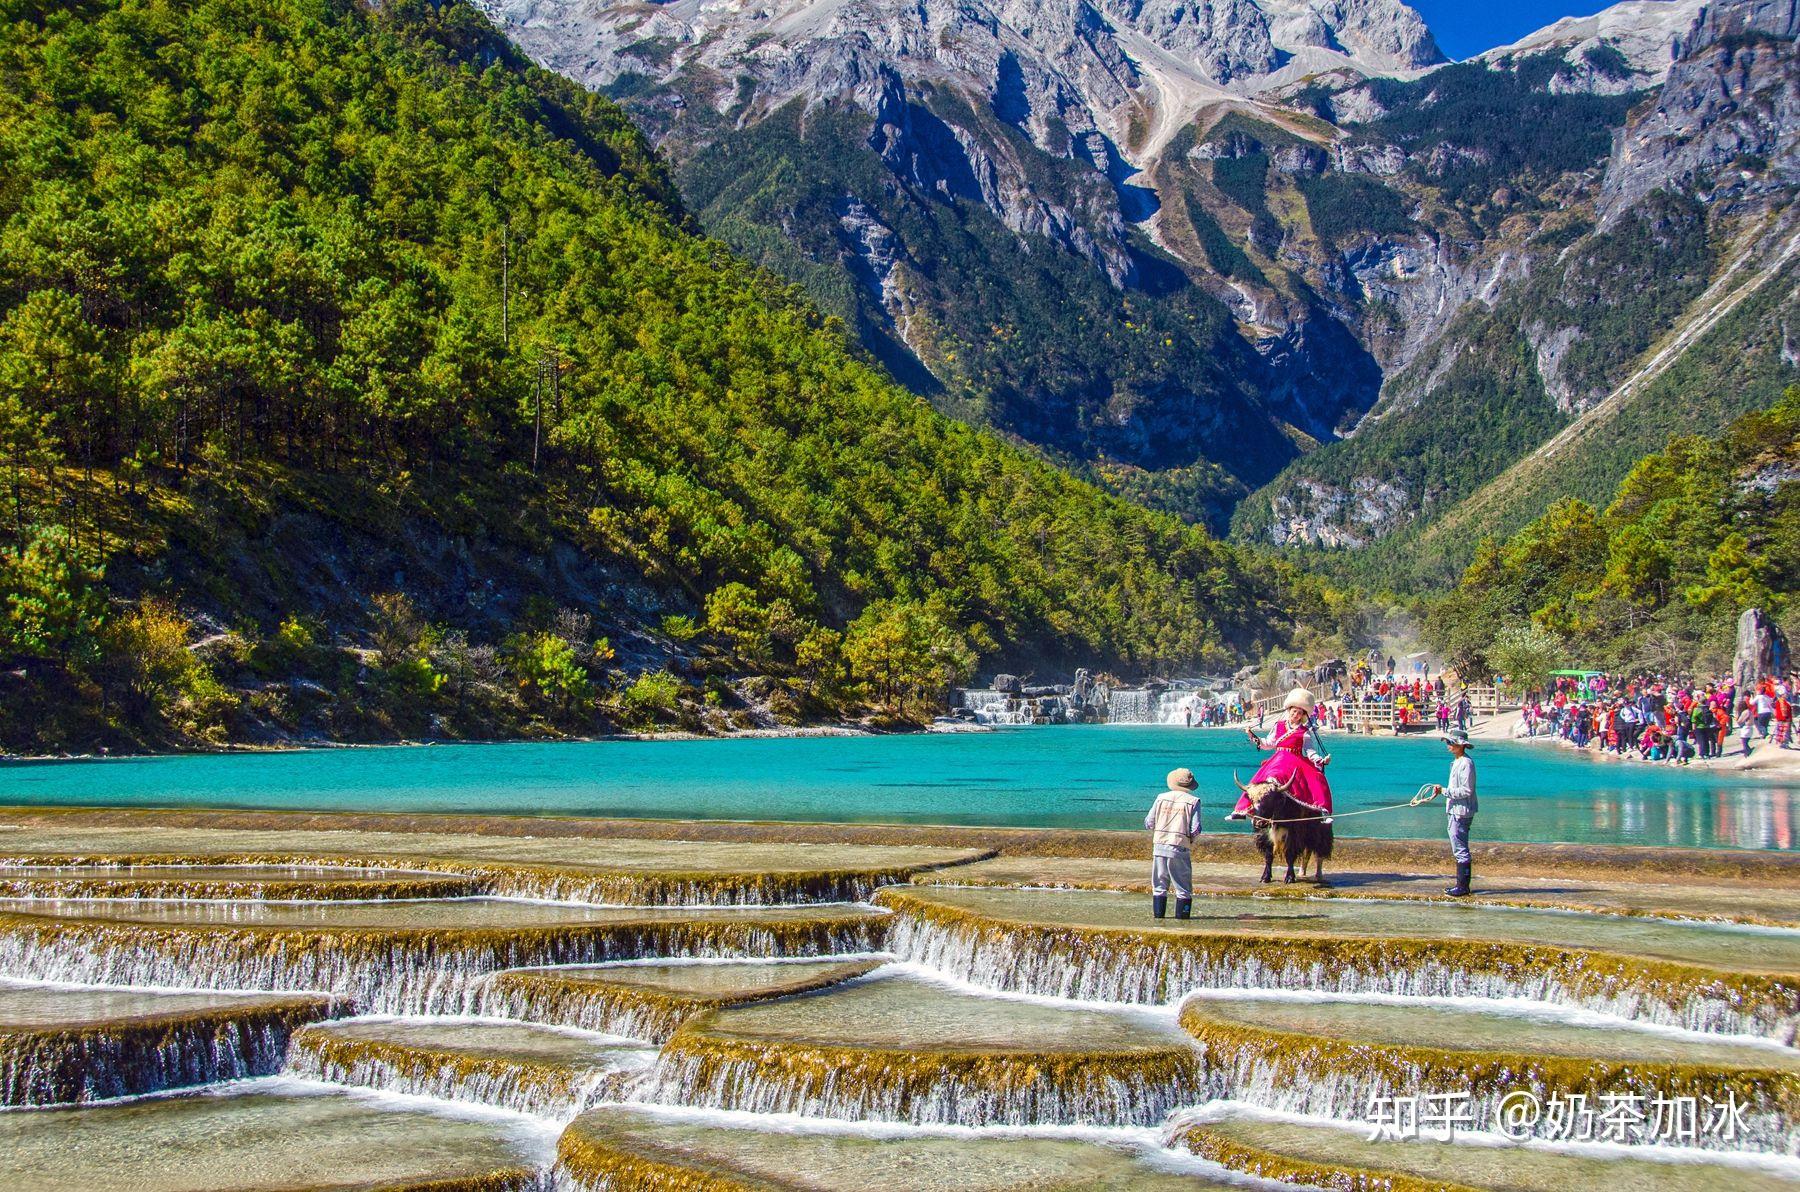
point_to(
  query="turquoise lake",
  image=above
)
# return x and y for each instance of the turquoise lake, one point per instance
(1068, 777)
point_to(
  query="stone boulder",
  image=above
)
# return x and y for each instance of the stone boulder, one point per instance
(1762, 650)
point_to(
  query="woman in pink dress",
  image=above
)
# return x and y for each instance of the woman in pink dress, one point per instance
(1292, 757)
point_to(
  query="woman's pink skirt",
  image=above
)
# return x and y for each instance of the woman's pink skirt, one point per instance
(1309, 785)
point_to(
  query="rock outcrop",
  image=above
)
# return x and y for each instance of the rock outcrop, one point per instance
(1762, 650)
(1727, 120)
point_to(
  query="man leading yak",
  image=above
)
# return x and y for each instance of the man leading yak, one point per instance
(1295, 767)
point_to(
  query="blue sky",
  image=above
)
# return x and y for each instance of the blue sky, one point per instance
(1465, 28)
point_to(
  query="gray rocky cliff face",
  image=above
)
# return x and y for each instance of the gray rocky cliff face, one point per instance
(1320, 514)
(1727, 121)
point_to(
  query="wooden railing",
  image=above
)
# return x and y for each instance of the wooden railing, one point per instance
(1492, 700)
(1383, 715)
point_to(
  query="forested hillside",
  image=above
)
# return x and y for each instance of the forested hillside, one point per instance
(1695, 534)
(358, 379)
(1019, 335)
(1478, 400)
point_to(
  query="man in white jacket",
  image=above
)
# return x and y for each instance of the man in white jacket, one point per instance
(1173, 822)
(1460, 805)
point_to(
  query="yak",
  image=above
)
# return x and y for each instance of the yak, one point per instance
(1298, 831)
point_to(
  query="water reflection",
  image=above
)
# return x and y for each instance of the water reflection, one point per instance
(1747, 817)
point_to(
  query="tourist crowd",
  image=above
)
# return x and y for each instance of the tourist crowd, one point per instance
(1217, 714)
(1664, 719)
(1417, 700)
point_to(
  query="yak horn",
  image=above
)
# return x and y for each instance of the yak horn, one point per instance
(1240, 785)
(1282, 786)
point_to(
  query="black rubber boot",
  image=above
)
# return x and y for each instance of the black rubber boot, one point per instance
(1462, 880)
(1183, 907)
(1159, 903)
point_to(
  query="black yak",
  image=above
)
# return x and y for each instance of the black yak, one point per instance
(1298, 831)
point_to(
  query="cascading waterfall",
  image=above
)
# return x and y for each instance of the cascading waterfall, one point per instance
(541, 1089)
(671, 890)
(562, 1181)
(1003, 713)
(965, 1089)
(506, 995)
(1176, 706)
(435, 972)
(304, 876)
(1137, 706)
(1089, 966)
(131, 1058)
(496, 974)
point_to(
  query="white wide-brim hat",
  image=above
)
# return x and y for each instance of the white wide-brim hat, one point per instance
(1299, 697)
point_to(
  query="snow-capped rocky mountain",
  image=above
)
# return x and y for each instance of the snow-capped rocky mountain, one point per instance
(1182, 243)
(1628, 47)
(1104, 53)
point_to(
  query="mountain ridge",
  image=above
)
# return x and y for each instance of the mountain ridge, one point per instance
(1281, 207)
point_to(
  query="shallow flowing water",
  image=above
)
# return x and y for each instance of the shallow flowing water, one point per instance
(1075, 777)
(30, 1005)
(1513, 1168)
(227, 881)
(1470, 1027)
(262, 1137)
(904, 1013)
(828, 1157)
(708, 980)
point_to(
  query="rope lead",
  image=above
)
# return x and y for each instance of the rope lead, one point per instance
(1424, 795)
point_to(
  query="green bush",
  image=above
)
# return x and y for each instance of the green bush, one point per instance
(55, 606)
(680, 627)
(653, 696)
(548, 667)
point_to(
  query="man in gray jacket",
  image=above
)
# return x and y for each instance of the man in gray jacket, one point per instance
(1460, 805)
(1174, 821)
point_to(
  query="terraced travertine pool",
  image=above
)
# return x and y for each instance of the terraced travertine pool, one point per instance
(400, 914)
(1301, 1150)
(167, 1026)
(1750, 948)
(269, 1136)
(229, 881)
